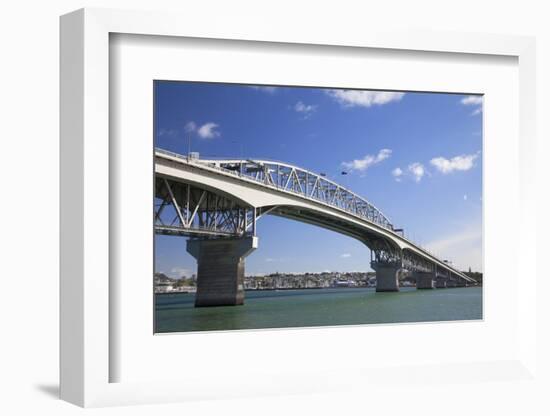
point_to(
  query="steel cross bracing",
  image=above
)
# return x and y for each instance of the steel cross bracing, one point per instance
(183, 209)
(384, 253)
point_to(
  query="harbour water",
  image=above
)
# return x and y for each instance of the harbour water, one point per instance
(318, 307)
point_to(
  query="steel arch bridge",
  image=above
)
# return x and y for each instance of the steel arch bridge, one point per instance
(222, 199)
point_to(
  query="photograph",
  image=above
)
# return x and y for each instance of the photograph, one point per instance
(291, 207)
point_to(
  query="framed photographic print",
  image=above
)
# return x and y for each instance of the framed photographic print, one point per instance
(260, 214)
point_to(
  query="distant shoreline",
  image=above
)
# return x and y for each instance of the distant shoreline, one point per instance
(175, 292)
(309, 288)
(295, 288)
(278, 289)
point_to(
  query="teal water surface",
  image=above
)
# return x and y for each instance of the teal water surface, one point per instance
(318, 307)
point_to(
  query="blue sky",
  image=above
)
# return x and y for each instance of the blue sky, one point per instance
(416, 156)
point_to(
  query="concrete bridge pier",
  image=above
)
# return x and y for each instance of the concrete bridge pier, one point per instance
(424, 280)
(441, 282)
(387, 277)
(220, 271)
(451, 282)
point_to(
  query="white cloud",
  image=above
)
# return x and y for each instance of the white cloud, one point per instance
(417, 170)
(465, 197)
(397, 173)
(356, 98)
(177, 272)
(363, 164)
(168, 132)
(462, 163)
(345, 255)
(208, 131)
(475, 100)
(268, 90)
(463, 247)
(472, 100)
(190, 126)
(305, 110)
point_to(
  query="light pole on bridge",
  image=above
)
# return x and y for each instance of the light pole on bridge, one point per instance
(241, 148)
(188, 146)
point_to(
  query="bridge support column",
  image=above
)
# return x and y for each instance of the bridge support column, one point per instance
(440, 282)
(451, 282)
(220, 271)
(424, 280)
(387, 277)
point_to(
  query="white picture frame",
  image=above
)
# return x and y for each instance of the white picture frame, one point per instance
(86, 328)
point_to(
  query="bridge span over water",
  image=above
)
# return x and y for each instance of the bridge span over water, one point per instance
(217, 202)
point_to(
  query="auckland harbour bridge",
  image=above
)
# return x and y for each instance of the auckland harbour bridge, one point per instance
(217, 203)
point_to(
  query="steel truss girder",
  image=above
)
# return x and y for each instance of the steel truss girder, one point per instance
(443, 273)
(184, 209)
(383, 252)
(416, 263)
(306, 183)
